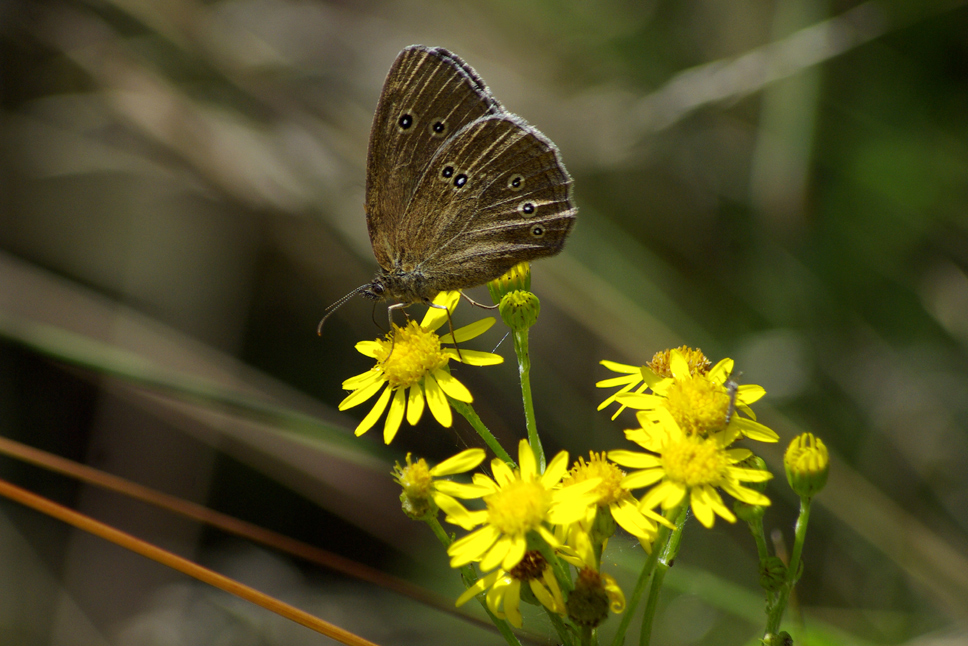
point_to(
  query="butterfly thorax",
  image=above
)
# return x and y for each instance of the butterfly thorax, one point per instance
(401, 285)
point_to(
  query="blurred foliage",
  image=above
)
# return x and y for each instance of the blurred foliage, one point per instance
(785, 183)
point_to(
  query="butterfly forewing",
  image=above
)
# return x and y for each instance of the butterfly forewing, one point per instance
(429, 95)
(494, 195)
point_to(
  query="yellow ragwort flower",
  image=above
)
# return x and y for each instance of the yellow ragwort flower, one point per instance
(700, 400)
(636, 379)
(413, 367)
(613, 498)
(518, 502)
(421, 495)
(682, 464)
(504, 588)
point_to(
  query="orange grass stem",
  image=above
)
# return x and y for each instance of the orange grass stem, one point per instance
(222, 521)
(176, 562)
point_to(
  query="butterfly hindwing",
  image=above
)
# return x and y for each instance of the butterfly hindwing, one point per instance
(494, 195)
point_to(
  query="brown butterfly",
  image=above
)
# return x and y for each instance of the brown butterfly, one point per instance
(458, 189)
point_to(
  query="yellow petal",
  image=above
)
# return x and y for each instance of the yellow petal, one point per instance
(463, 461)
(749, 393)
(721, 371)
(527, 464)
(357, 397)
(437, 315)
(756, 431)
(472, 546)
(473, 357)
(619, 381)
(502, 472)
(620, 367)
(453, 388)
(461, 490)
(701, 507)
(369, 348)
(496, 554)
(634, 459)
(644, 478)
(374, 413)
(515, 552)
(468, 332)
(512, 602)
(678, 365)
(363, 379)
(479, 586)
(437, 402)
(555, 470)
(415, 404)
(395, 416)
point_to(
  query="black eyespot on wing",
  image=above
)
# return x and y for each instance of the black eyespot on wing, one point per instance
(537, 231)
(439, 129)
(460, 180)
(516, 182)
(405, 121)
(527, 208)
(447, 172)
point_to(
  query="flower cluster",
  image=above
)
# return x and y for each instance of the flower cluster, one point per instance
(525, 523)
(688, 423)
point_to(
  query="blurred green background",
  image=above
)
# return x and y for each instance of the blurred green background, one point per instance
(784, 183)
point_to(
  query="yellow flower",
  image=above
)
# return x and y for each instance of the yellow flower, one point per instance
(612, 498)
(518, 502)
(638, 378)
(413, 366)
(682, 464)
(698, 398)
(421, 495)
(504, 588)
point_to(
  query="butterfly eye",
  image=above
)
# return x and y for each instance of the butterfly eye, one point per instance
(405, 121)
(439, 129)
(460, 180)
(516, 181)
(447, 172)
(537, 231)
(526, 208)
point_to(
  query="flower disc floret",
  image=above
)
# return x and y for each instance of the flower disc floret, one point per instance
(408, 353)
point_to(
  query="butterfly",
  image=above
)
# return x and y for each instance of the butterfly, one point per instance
(458, 189)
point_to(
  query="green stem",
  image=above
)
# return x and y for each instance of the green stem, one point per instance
(524, 370)
(775, 611)
(469, 577)
(668, 555)
(661, 538)
(587, 638)
(756, 529)
(468, 413)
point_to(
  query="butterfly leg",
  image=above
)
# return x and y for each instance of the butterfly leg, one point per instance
(450, 322)
(476, 304)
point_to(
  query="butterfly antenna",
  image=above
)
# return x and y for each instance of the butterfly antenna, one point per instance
(335, 306)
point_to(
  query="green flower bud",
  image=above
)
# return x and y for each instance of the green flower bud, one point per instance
(519, 310)
(782, 638)
(807, 464)
(518, 278)
(772, 573)
(588, 603)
